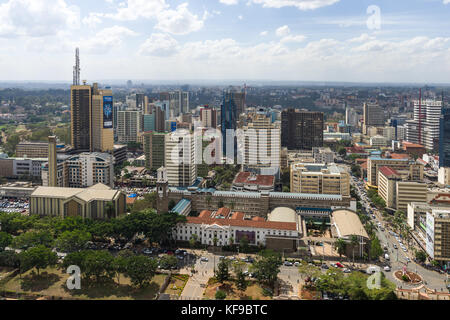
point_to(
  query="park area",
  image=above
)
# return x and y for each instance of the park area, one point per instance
(51, 282)
(177, 284)
(254, 291)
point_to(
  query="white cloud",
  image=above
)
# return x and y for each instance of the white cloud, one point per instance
(362, 38)
(92, 20)
(300, 4)
(264, 33)
(229, 2)
(159, 44)
(180, 21)
(289, 38)
(105, 40)
(446, 1)
(240, 17)
(37, 18)
(283, 31)
(135, 9)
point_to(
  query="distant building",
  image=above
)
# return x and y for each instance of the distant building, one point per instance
(415, 171)
(373, 116)
(229, 117)
(129, 125)
(32, 150)
(301, 129)
(154, 150)
(208, 117)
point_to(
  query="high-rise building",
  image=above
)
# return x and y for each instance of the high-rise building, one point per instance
(154, 150)
(149, 122)
(180, 158)
(373, 116)
(444, 139)
(178, 102)
(129, 125)
(424, 129)
(301, 130)
(80, 108)
(261, 145)
(228, 119)
(208, 117)
(239, 99)
(102, 131)
(88, 169)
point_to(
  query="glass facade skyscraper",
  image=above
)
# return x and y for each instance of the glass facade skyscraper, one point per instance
(444, 139)
(228, 119)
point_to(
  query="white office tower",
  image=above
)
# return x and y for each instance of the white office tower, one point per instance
(180, 158)
(88, 169)
(426, 130)
(351, 117)
(261, 142)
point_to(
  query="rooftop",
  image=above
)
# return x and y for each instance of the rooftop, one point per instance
(388, 171)
(249, 178)
(347, 223)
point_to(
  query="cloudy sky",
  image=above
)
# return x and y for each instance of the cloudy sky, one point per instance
(309, 40)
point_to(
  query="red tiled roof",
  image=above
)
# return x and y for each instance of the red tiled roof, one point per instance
(223, 212)
(407, 144)
(205, 214)
(131, 200)
(262, 180)
(387, 171)
(258, 219)
(238, 216)
(291, 226)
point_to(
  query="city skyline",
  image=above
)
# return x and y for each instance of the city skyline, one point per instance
(267, 40)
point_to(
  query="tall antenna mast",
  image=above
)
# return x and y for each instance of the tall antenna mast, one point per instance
(76, 68)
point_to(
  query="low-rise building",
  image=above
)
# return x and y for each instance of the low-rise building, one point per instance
(319, 179)
(249, 182)
(96, 202)
(281, 231)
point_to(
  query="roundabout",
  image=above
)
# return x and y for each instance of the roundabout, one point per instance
(408, 277)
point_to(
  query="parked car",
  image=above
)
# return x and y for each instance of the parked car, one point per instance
(346, 270)
(387, 268)
(288, 264)
(204, 259)
(339, 265)
(324, 266)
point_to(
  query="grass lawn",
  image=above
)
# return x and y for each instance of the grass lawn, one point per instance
(52, 282)
(253, 292)
(177, 284)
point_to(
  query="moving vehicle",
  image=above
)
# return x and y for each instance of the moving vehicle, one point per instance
(387, 268)
(386, 256)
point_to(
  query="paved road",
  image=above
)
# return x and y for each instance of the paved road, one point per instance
(433, 279)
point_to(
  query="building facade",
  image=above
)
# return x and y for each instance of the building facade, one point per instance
(301, 130)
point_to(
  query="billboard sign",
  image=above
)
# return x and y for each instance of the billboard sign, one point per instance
(250, 235)
(173, 126)
(107, 112)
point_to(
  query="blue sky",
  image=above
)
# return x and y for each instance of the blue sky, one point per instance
(310, 40)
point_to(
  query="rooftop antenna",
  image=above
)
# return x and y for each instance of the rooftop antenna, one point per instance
(76, 68)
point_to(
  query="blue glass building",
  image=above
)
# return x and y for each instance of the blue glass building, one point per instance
(444, 138)
(228, 119)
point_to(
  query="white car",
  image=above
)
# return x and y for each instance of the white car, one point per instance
(346, 270)
(387, 268)
(204, 259)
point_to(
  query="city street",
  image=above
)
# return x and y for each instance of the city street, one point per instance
(398, 258)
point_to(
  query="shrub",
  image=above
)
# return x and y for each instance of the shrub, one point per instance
(221, 295)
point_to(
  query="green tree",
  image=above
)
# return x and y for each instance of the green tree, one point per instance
(220, 295)
(38, 257)
(172, 204)
(70, 241)
(307, 270)
(5, 240)
(421, 256)
(32, 239)
(223, 271)
(241, 282)
(354, 242)
(340, 245)
(110, 209)
(244, 244)
(375, 248)
(267, 266)
(98, 264)
(168, 262)
(9, 258)
(140, 270)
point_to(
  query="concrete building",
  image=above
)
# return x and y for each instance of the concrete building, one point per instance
(444, 176)
(180, 158)
(208, 117)
(281, 231)
(409, 191)
(248, 182)
(32, 150)
(428, 135)
(431, 227)
(129, 125)
(323, 155)
(375, 162)
(52, 163)
(301, 129)
(154, 150)
(378, 142)
(88, 169)
(102, 131)
(261, 143)
(373, 115)
(319, 179)
(91, 203)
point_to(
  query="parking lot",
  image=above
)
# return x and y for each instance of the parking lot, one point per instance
(11, 206)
